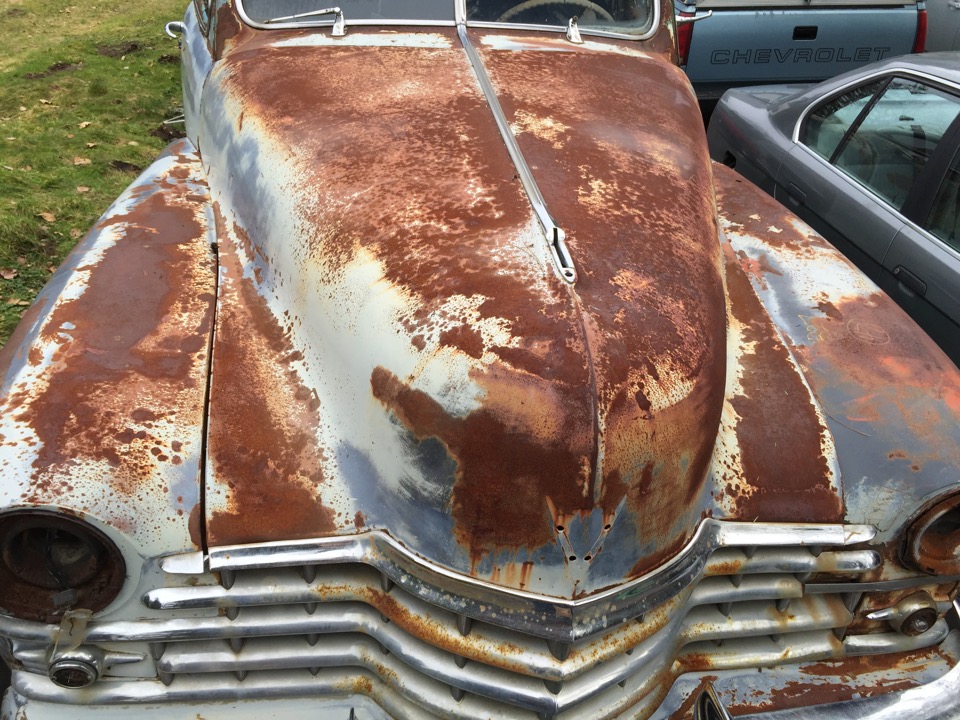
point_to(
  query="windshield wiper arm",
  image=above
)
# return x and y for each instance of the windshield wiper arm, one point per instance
(338, 23)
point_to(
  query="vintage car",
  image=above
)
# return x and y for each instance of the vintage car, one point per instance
(437, 373)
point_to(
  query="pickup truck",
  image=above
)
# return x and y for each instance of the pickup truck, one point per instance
(731, 43)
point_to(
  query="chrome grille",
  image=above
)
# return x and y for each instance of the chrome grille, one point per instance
(314, 629)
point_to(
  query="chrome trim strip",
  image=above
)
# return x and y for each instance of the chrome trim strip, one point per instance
(369, 547)
(540, 615)
(554, 234)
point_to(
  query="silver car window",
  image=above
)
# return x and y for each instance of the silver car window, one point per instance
(828, 124)
(944, 218)
(891, 143)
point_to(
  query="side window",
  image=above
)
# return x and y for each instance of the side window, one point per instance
(826, 125)
(890, 138)
(944, 218)
(203, 14)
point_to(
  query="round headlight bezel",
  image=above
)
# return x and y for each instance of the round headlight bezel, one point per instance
(932, 542)
(52, 563)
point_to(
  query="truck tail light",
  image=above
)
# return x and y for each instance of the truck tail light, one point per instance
(684, 35)
(920, 41)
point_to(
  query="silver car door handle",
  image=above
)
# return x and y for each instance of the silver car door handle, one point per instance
(910, 281)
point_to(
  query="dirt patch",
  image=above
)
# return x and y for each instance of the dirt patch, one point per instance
(124, 166)
(167, 132)
(15, 13)
(55, 68)
(119, 50)
(169, 59)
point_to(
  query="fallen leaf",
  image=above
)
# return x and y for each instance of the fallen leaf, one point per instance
(11, 138)
(27, 168)
(75, 233)
(45, 102)
(8, 273)
(133, 142)
(82, 189)
(91, 145)
(17, 301)
(84, 124)
(23, 109)
(81, 160)
(21, 260)
(70, 136)
(49, 217)
(7, 167)
(51, 268)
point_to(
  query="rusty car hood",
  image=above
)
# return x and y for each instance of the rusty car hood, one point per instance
(395, 351)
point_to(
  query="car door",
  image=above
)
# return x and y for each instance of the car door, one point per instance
(838, 206)
(858, 157)
(922, 268)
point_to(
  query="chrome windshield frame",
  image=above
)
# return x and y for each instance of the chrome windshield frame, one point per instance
(460, 18)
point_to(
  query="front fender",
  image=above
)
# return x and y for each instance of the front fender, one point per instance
(103, 390)
(891, 397)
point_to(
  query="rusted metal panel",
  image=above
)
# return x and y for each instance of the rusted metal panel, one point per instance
(890, 396)
(103, 401)
(417, 365)
(447, 362)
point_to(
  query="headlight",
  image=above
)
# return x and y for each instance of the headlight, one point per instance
(51, 564)
(933, 539)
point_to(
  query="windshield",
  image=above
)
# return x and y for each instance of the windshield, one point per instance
(261, 11)
(631, 17)
(618, 16)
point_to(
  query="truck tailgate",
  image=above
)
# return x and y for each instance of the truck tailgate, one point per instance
(759, 45)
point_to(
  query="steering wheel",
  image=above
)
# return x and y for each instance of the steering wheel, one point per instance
(529, 4)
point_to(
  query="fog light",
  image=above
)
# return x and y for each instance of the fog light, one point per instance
(51, 564)
(933, 539)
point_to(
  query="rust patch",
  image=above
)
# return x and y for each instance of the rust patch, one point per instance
(158, 299)
(630, 184)
(263, 421)
(786, 477)
(504, 474)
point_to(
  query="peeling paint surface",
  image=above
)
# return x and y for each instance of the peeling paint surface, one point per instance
(103, 416)
(890, 396)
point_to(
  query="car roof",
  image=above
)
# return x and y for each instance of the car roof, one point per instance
(945, 65)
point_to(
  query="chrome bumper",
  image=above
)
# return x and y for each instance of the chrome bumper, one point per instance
(936, 700)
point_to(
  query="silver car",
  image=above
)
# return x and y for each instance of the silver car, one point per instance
(870, 159)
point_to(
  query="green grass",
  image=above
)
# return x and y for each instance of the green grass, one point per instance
(84, 92)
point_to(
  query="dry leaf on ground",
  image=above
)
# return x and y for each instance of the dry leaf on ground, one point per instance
(48, 216)
(82, 189)
(81, 161)
(84, 124)
(8, 273)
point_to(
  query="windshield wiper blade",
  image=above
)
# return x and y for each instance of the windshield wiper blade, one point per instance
(338, 23)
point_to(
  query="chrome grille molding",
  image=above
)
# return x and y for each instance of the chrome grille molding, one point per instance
(360, 616)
